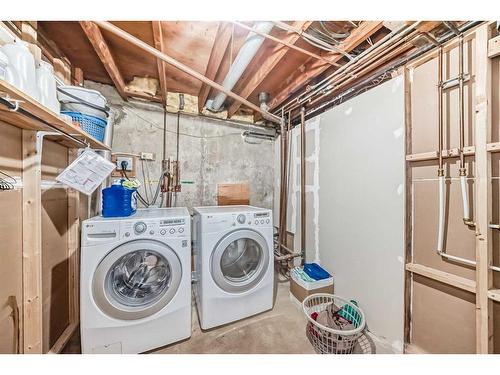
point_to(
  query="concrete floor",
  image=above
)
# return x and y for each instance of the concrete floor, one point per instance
(278, 331)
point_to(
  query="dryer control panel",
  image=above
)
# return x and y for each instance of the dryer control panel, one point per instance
(103, 231)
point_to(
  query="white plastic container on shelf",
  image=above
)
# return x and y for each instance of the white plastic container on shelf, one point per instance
(4, 64)
(46, 84)
(22, 61)
(92, 97)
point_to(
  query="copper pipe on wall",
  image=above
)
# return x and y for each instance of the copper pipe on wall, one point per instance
(282, 183)
(462, 169)
(440, 112)
(303, 183)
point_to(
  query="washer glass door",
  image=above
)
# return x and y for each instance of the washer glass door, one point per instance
(137, 279)
(240, 260)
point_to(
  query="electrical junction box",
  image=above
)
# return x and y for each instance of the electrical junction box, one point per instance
(128, 159)
(147, 156)
(131, 160)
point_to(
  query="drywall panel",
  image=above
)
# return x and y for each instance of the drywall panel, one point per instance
(10, 241)
(443, 317)
(361, 204)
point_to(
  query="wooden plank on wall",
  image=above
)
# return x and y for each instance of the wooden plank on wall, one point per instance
(73, 247)
(32, 245)
(483, 206)
(441, 276)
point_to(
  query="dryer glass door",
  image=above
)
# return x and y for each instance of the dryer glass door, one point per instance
(137, 279)
(240, 260)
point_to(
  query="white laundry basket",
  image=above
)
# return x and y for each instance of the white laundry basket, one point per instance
(326, 340)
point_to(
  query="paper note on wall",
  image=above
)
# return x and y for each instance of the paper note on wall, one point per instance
(87, 172)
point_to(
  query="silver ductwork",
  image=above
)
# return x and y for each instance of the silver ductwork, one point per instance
(247, 52)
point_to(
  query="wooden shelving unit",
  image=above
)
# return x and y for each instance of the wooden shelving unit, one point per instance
(41, 112)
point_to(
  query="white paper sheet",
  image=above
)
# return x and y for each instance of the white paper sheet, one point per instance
(87, 172)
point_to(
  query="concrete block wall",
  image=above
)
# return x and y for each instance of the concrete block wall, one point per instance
(210, 151)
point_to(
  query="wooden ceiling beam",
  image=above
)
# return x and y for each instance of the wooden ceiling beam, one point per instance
(184, 68)
(222, 39)
(312, 67)
(268, 65)
(162, 71)
(101, 48)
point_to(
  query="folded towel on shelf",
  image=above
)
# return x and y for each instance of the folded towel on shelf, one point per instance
(299, 273)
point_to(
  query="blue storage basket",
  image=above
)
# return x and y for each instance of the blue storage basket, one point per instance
(93, 125)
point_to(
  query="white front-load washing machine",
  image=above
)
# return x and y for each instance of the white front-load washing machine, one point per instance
(233, 256)
(135, 283)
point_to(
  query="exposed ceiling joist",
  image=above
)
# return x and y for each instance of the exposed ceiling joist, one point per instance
(160, 45)
(101, 48)
(268, 65)
(222, 39)
(186, 69)
(314, 67)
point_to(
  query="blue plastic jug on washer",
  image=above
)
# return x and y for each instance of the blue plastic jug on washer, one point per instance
(119, 200)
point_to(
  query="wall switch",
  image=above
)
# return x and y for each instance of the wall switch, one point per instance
(147, 156)
(128, 159)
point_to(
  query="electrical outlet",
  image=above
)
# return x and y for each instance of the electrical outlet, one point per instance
(128, 159)
(147, 156)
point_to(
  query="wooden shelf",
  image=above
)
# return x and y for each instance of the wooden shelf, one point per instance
(37, 109)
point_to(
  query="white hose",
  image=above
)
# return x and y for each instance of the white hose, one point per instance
(465, 196)
(440, 241)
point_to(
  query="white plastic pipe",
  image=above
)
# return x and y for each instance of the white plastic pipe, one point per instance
(247, 52)
(465, 196)
(441, 206)
(440, 241)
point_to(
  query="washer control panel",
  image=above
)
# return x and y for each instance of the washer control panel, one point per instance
(175, 227)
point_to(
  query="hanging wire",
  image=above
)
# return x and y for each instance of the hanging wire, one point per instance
(7, 185)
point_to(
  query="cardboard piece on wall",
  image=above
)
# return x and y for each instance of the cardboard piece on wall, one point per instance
(233, 194)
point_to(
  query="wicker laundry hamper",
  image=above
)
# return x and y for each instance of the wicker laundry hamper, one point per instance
(327, 340)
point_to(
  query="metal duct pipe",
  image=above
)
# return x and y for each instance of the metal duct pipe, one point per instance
(247, 52)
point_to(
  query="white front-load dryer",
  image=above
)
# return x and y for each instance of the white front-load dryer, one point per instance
(233, 256)
(135, 282)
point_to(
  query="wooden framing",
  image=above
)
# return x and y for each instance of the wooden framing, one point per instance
(186, 69)
(483, 203)
(444, 277)
(222, 39)
(314, 67)
(483, 206)
(267, 66)
(101, 48)
(494, 47)
(160, 45)
(32, 245)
